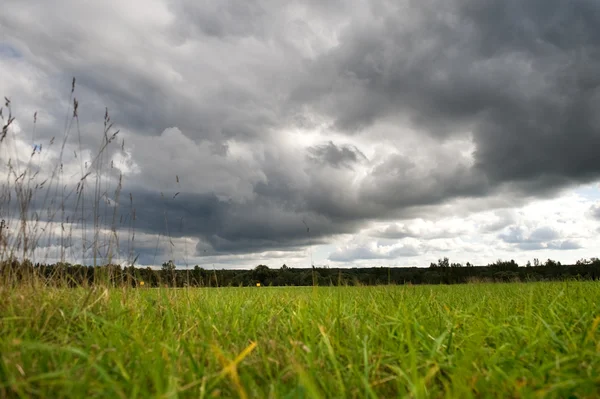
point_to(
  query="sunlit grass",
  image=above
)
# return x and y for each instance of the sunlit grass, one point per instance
(509, 340)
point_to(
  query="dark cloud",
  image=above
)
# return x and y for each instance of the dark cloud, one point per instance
(216, 89)
(336, 156)
(594, 211)
(227, 227)
(210, 92)
(522, 77)
(398, 182)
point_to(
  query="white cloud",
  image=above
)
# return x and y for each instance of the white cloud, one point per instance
(559, 228)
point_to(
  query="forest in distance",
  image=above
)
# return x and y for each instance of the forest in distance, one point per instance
(170, 275)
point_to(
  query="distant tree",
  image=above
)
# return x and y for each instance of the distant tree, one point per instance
(261, 274)
(584, 262)
(198, 276)
(168, 272)
(502, 265)
(441, 272)
(168, 266)
(536, 262)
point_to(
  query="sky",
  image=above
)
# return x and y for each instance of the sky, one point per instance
(339, 133)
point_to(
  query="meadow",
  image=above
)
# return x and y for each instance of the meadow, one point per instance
(436, 341)
(536, 339)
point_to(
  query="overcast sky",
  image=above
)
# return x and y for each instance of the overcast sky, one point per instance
(398, 131)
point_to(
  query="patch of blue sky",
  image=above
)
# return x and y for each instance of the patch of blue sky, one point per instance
(8, 51)
(589, 191)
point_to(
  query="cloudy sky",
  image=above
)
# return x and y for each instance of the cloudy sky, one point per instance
(397, 131)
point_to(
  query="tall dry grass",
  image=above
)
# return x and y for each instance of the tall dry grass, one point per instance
(51, 217)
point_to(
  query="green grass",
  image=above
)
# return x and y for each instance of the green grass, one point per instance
(480, 340)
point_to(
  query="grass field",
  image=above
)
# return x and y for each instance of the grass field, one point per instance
(479, 340)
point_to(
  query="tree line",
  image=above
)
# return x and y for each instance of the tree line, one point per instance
(442, 272)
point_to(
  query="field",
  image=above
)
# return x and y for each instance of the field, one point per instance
(477, 340)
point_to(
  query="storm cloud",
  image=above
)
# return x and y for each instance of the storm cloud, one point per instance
(265, 126)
